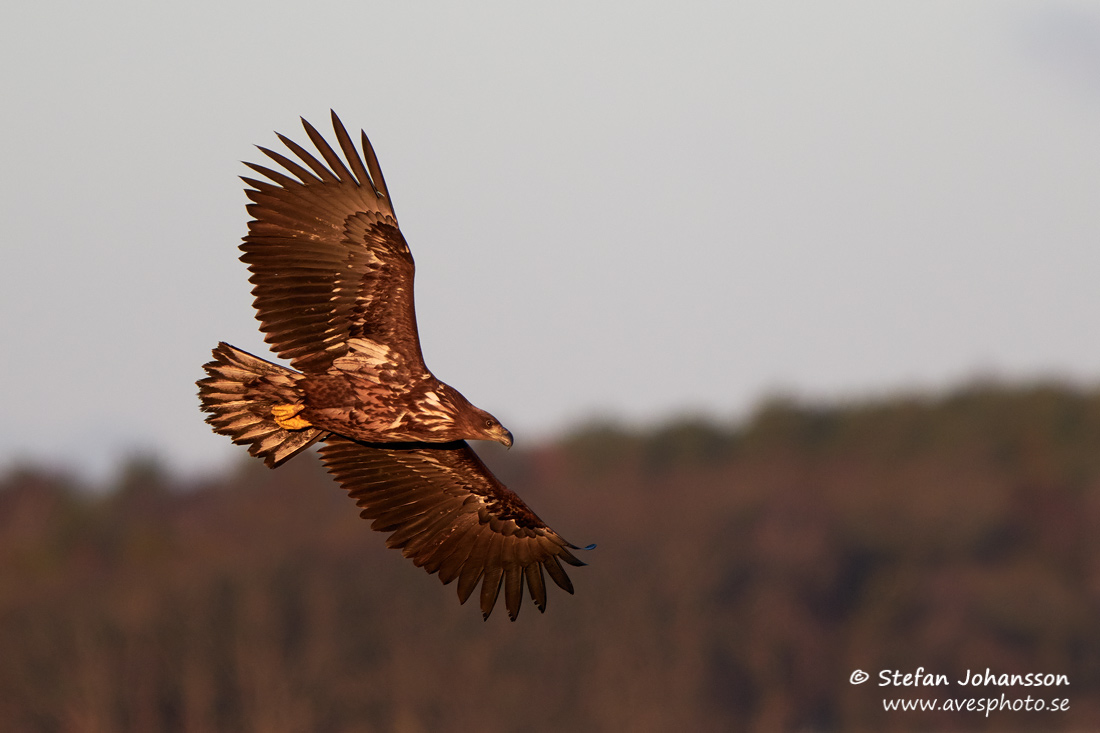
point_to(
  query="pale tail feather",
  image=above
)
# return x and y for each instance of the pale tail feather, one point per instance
(238, 395)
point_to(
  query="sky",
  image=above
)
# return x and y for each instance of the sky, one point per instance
(633, 211)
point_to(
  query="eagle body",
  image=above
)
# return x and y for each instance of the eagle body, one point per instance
(332, 278)
(380, 411)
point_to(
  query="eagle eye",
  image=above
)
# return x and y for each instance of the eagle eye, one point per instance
(490, 423)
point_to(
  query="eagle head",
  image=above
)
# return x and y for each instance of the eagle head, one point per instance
(467, 422)
(493, 430)
(480, 425)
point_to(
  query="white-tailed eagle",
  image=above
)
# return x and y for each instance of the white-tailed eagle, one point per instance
(333, 283)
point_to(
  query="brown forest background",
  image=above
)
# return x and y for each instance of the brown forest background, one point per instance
(742, 574)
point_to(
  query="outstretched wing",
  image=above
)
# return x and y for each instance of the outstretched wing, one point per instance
(328, 261)
(450, 515)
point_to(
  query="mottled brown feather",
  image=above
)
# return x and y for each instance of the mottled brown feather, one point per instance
(440, 503)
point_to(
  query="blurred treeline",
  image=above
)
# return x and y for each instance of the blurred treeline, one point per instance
(742, 573)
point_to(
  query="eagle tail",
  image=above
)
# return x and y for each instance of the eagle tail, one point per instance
(239, 395)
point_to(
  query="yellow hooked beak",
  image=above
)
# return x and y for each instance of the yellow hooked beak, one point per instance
(502, 435)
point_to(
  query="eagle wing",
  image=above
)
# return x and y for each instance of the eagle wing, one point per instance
(449, 514)
(328, 261)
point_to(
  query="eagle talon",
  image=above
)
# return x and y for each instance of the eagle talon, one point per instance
(286, 417)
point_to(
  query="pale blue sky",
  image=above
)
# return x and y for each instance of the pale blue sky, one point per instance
(625, 209)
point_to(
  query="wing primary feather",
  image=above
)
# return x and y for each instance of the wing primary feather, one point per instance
(376, 171)
(536, 585)
(281, 179)
(568, 557)
(494, 572)
(554, 569)
(327, 152)
(513, 590)
(304, 176)
(306, 157)
(474, 565)
(490, 589)
(351, 153)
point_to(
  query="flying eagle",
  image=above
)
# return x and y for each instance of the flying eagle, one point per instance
(333, 281)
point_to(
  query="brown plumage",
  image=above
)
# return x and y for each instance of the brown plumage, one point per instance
(333, 281)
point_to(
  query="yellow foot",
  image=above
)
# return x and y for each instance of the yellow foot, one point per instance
(286, 417)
